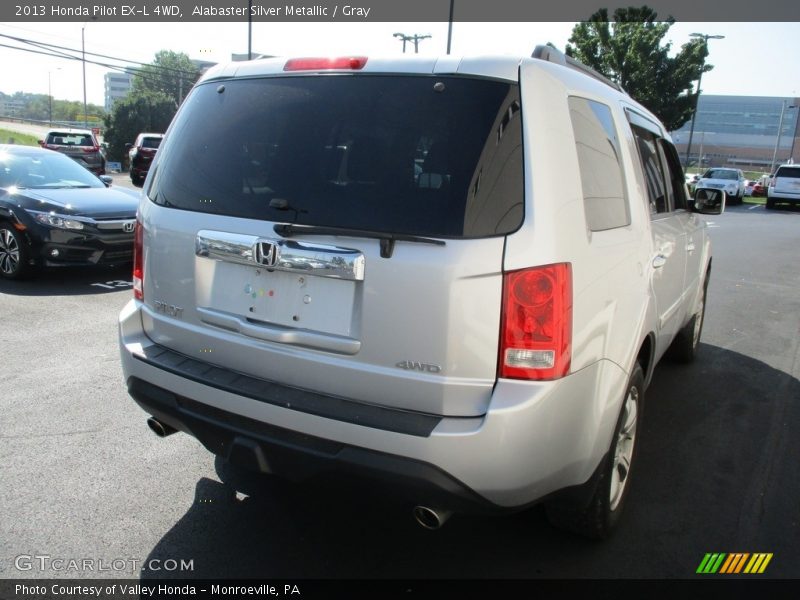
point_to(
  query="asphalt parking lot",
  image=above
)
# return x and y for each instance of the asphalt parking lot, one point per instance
(84, 478)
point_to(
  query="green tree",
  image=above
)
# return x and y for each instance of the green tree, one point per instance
(170, 73)
(138, 112)
(630, 52)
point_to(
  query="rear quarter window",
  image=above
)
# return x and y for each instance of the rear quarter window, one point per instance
(602, 179)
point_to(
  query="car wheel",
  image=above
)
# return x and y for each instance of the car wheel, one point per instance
(599, 518)
(684, 346)
(13, 253)
(770, 204)
(137, 181)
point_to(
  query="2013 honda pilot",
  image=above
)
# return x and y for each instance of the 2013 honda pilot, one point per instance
(372, 269)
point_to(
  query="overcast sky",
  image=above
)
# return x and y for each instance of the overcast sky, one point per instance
(753, 59)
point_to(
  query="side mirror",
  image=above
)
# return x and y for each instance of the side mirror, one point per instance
(709, 202)
(107, 180)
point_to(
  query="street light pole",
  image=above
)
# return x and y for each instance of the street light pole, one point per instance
(450, 26)
(705, 37)
(50, 99)
(778, 137)
(83, 60)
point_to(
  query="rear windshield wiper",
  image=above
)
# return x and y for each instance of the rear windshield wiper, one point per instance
(387, 240)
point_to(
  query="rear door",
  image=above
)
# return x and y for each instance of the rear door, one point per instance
(342, 234)
(669, 247)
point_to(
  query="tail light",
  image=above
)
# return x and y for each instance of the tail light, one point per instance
(536, 324)
(352, 63)
(138, 261)
(92, 149)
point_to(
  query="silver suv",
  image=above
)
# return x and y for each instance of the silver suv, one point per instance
(784, 186)
(371, 270)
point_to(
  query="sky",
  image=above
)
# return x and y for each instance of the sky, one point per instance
(750, 61)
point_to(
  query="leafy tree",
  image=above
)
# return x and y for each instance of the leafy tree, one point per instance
(170, 73)
(138, 112)
(629, 51)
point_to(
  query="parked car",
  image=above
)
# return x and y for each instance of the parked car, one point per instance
(54, 212)
(749, 184)
(141, 154)
(759, 191)
(80, 145)
(474, 335)
(731, 181)
(784, 186)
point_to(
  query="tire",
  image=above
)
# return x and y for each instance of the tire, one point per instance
(137, 181)
(14, 253)
(600, 517)
(770, 205)
(684, 346)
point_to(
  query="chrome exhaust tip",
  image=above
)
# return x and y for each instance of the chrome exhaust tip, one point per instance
(162, 430)
(431, 518)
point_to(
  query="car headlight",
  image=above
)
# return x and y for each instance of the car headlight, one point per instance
(59, 221)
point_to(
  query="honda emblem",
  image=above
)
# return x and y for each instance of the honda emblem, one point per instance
(266, 254)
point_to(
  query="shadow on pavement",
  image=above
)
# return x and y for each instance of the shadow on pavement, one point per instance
(717, 471)
(71, 281)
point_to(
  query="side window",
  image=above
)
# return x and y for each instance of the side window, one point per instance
(675, 174)
(598, 148)
(652, 166)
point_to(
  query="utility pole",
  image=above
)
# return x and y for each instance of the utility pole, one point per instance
(450, 26)
(705, 37)
(416, 38)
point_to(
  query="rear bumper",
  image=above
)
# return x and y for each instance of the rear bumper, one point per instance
(536, 438)
(783, 196)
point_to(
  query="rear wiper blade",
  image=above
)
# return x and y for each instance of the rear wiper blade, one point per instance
(387, 240)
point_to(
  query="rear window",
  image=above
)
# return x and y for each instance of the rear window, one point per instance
(151, 142)
(793, 172)
(421, 155)
(70, 139)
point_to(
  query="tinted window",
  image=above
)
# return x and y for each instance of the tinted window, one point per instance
(419, 155)
(676, 186)
(151, 142)
(788, 172)
(602, 180)
(70, 139)
(647, 145)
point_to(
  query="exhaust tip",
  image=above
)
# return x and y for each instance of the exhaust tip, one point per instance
(162, 430)
(431, 518)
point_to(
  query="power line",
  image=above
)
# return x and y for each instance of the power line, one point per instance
(46, 46)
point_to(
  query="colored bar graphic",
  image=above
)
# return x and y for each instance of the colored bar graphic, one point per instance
(758, 563)
(729, 564)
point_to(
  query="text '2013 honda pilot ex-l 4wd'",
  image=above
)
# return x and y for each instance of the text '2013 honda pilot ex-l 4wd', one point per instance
(373, 270)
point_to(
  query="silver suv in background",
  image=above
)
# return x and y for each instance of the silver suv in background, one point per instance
(784, 186)
(370, 271)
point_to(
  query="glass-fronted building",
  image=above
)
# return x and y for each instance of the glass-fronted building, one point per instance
(741, 131)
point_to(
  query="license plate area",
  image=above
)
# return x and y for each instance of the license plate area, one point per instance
(279, 298)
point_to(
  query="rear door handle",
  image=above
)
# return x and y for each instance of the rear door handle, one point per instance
(690, 247)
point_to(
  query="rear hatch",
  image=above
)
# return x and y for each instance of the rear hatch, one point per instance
(787, 181)
(76, 145)
(147, 151)
(339, 233)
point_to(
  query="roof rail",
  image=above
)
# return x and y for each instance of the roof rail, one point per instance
(554, 55)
